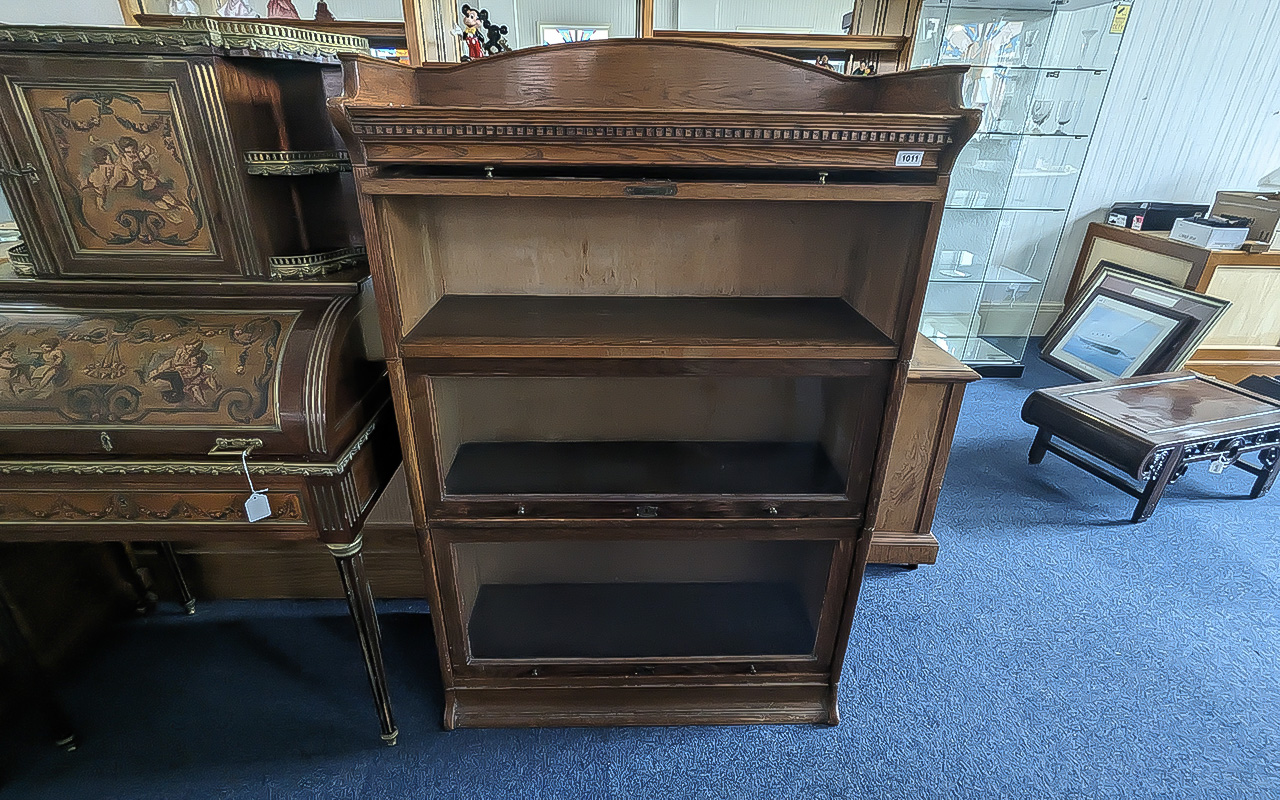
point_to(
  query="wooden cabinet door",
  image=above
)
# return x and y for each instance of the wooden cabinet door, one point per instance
(122, 167)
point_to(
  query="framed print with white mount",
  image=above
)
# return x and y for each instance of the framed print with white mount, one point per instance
(1124, 324)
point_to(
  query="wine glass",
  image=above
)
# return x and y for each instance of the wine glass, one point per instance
(1066, 110)
(1084, 48)
(1040, 111)
(1006, 116)
(1028, 42)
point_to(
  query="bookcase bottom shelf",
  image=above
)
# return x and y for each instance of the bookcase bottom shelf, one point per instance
(643, 468)
(639, 620)
(759, 703)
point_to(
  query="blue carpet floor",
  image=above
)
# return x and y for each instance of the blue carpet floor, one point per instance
(1053, 652)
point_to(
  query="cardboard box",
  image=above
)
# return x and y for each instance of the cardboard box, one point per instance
(1262, 209)
(1211, 233)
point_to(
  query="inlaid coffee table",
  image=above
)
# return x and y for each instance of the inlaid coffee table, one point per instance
(1148, 429)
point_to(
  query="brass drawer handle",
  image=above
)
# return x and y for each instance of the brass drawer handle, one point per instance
(234, 447)
(655, 189)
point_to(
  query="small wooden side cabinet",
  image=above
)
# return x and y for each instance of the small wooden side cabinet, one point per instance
(649, 308)
(1246, 341)
(918, 460)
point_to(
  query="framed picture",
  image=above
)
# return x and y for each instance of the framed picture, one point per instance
(1123, 323)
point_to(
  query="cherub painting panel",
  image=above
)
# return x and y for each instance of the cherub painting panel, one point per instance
(123, 169)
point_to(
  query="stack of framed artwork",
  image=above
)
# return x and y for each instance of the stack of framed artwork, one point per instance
(1124, 323)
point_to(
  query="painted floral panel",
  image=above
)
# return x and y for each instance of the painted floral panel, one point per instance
(140, 368)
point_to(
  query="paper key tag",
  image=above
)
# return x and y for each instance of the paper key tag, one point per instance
(257, 507)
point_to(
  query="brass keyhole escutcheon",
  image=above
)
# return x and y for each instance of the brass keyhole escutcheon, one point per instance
(106, 441)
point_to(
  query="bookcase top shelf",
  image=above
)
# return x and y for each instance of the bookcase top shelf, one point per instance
(653, 102)
(513, 326)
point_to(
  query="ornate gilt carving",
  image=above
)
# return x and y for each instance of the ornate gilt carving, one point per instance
(268, 39)
(140, 368)
(20, 257)
(296, 162)
(159, 37)
(316, 265)
(259, 38)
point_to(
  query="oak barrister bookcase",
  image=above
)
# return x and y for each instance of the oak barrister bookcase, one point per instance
(648, 309)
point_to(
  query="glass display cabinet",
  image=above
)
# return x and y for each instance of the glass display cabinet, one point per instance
(1039, 71)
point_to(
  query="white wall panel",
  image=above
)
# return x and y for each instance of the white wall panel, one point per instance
(618, 15)
(1193, 107)
(796, 16)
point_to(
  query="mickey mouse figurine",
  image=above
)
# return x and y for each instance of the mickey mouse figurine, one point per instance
(864, 68)
(471, 32)
(497, 42)
(480, 36)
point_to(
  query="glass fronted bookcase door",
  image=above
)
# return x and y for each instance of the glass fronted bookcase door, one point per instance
(646, 601)
(577, 445)
(1039, 72)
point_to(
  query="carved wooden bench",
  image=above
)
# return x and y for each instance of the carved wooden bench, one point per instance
(1148, 429)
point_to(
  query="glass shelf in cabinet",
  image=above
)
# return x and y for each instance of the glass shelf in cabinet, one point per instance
(979, 273)
(1019, 67)
(962, 207)
(999, 274)
(954, 326)
(1034, 133)
(957, 266)
(982, 351)
(972, 349)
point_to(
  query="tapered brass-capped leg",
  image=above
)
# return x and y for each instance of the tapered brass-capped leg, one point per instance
(360, 602)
